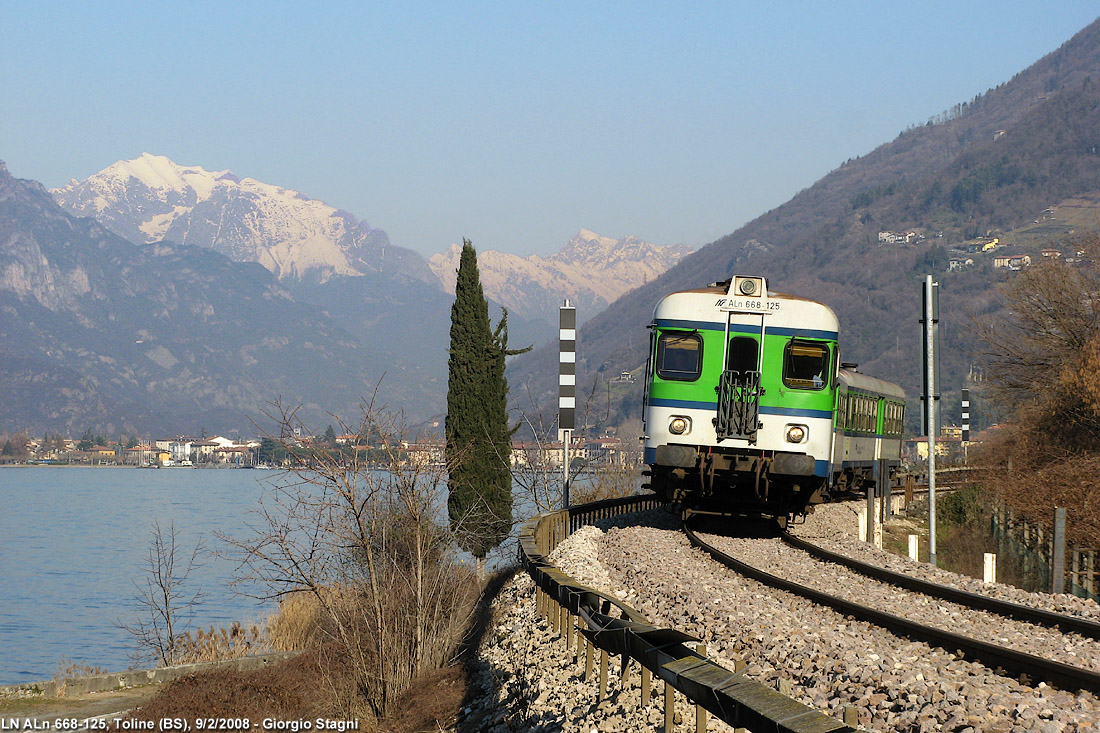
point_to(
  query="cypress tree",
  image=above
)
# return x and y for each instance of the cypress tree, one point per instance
(478, 438)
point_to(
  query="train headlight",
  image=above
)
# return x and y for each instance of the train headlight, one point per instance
(751, 286)
(796, 433)
(679, 425)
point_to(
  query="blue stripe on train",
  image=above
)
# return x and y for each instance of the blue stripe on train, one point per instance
(812, 333)
(781, 411)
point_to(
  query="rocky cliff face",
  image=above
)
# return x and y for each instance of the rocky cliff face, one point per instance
(151, 198)
(98, 332)
(591, 270)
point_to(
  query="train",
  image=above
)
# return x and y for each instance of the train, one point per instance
(749, 410)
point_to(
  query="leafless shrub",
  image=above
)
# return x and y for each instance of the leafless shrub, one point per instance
(165, 608)
(1043, 363)
(362, 538)
(1042, 357)
(610, 481)
(536, 465)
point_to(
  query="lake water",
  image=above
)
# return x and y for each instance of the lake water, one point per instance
(73, 541)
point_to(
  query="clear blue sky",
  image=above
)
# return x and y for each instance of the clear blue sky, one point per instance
(514, 124)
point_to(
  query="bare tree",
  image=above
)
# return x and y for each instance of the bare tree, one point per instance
(165, 608)
(1043, 362)
(539, 480)
(360, 531)
(1041, 358)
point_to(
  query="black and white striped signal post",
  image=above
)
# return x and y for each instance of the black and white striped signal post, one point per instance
(567, 388)
(965, 420)
(966, 414)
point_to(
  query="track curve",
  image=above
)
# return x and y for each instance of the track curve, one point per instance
(1010, 661)
(1018, 611)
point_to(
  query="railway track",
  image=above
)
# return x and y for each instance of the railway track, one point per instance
(1081, 633)
(822, 658)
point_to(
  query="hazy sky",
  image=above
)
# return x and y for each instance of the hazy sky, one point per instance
(513, 124)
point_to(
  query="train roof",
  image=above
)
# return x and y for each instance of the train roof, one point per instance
(871, 384)
(709, 307)
(722, 288)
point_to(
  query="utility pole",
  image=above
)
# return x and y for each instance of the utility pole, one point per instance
(930, 297)
(567, 388)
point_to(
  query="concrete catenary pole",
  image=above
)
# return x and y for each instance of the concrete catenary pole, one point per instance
(930, 319)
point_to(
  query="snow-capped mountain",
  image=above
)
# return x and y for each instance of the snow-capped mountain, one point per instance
(591, 270)
(151, 198)
(99, 331)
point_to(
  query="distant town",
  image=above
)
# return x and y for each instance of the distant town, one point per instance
(221, 452)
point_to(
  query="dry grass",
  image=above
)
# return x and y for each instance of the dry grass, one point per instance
(322, 682)
(430, 705)
(297, 624)
(609, 482)
(299, 688)
(72, 668)
(215, 645)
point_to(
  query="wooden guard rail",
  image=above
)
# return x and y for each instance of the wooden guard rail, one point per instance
(608, 624)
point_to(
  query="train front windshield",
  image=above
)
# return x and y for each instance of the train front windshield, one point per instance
(679, 356)
(806, 365)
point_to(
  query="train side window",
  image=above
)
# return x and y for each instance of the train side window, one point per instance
(679, 356)
(806, 365)
(743, 355)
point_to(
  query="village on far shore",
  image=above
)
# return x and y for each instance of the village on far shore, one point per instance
(217, 451)
(221, 452)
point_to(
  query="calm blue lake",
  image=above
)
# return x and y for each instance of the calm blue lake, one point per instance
(73, 540)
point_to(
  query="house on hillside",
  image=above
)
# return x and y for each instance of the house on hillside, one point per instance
(886, 237)
(1051, 254)
(959, 263)
(1012, 261)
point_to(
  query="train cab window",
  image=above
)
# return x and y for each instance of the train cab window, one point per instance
(679, 355)
(743, 355)
(806, 365)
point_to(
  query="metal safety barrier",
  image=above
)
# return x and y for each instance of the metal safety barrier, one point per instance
(616, 629)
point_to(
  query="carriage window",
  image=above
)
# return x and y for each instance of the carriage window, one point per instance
(679, 356)
(742, 355)
(806, 365)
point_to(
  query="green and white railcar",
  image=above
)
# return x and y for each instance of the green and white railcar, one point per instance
(747, 408)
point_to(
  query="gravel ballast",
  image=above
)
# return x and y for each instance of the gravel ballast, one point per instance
(531, 682)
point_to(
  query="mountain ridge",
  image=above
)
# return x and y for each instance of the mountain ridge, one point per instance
(591, 270)
(99, 332)
(152, 198)
(822, 243)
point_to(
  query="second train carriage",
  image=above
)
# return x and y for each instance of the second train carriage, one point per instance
(749, 410)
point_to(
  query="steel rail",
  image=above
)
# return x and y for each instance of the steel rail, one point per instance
(997, 658)
(1018, 611)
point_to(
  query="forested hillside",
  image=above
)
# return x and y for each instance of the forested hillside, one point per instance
(987, 168)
